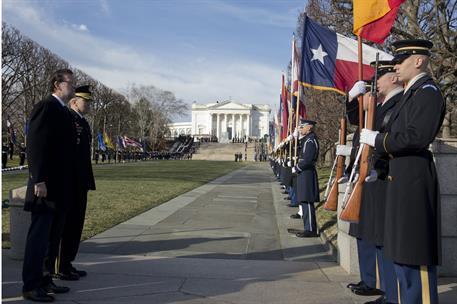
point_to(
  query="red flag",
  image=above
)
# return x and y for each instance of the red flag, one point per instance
(373, 19)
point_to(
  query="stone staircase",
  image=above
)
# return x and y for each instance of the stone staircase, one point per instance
(222, 151)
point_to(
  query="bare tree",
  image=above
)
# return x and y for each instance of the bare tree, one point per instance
(153, 109)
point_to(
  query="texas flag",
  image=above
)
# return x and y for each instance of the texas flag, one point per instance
(330, 60)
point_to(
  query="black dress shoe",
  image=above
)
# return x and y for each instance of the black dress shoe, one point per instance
(81, 273)
(380, 300)
(66, 276)
(355, 285)
(37, 295)
(295, 216)
(292, 205)
(364, 290)
(53, 288)
(285, 192)
(306, 234)
(287, 198)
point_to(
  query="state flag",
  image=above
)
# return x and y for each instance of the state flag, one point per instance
(373, 19)
(329, 61)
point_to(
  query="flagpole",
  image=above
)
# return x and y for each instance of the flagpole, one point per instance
(305, 19)
(283, 97)
(360, 67)
(291, 93)
(296, 118)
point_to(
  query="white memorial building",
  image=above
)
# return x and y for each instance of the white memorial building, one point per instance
(225, 120)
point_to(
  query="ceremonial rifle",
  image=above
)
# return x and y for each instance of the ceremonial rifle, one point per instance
(351, 210)
(331, 202)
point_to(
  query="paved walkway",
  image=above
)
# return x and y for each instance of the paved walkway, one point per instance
(224, 242)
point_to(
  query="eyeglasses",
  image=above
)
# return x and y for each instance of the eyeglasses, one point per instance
(70, 83)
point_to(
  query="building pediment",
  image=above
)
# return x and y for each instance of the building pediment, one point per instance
(229, 105)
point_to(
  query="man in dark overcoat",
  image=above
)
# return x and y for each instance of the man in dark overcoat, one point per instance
(51, 142)
(71, 237)
(412, 231)
(307, 180)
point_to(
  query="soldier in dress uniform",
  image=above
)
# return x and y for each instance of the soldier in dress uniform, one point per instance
(71, 237)
(51, 144)
(370, 229)
(412, 232)
(366, 250)
(5, 150)
(307, 180)
(22, 154)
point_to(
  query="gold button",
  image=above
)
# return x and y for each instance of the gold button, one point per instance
(390, 178)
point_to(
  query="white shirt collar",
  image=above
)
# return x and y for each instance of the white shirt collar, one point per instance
(79, 114)
(413, 81)
(392, 94)
(60, 100)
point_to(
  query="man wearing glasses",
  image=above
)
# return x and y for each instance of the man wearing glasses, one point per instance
(51, 142)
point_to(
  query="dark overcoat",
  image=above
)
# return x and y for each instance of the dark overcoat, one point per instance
(51, 146)
(372, 211)
(85, 176)
(307, 180)
(412, 231)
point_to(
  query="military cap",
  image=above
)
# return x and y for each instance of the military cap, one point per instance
(384, 66)
(406, 48)
(83, 92)
(304, 122)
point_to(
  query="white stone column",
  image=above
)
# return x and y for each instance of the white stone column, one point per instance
(248, 125)
(234, 125)
(242, 126)
(224, 127)
(218, 134)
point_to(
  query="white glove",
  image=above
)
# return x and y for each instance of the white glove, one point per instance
(372, 177)
(289, 164)
(289, 138)
(294, 170)
(295, 134)
(357, 89)
(343, 150)
(368, 137)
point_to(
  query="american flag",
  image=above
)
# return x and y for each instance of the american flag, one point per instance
(132, 143)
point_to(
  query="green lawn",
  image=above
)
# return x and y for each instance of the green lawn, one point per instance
(126, 190)
(14, 162)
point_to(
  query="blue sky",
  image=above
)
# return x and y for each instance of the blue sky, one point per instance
(203, 50)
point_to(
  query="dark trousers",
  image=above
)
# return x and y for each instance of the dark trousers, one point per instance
(309, 216)
(417, 284)
(367, 262)
(57, 227)
(387, 276)
(44, 224)
(73, 229)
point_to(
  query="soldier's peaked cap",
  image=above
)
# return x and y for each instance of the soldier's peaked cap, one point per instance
(83, 92)
(406, 48)
(384, 66)
(304, 122)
